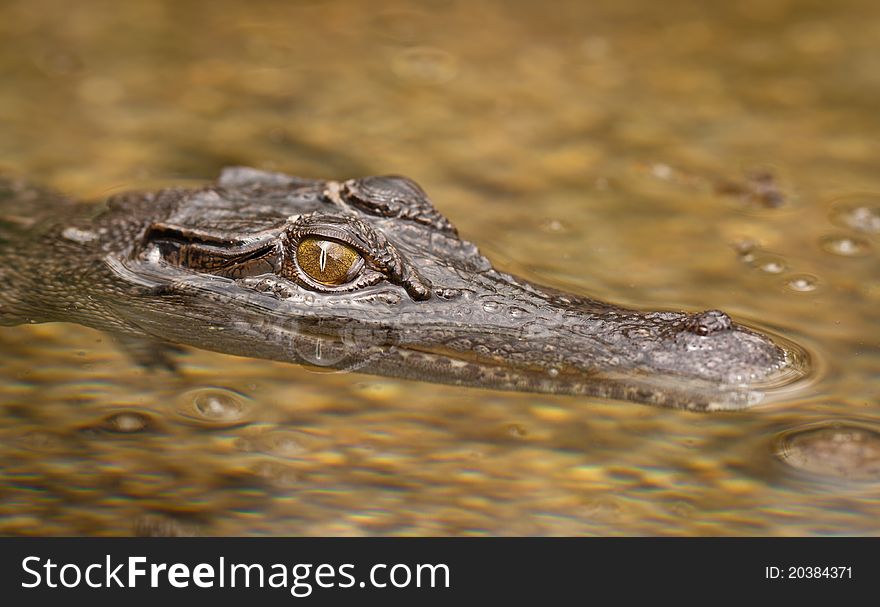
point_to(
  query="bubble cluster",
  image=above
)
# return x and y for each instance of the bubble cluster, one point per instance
(749, 253)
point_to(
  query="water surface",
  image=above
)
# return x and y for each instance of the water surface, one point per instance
(674, 155)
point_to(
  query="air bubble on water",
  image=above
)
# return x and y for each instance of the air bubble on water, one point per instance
(860, 213)
(772, 265)
(662, 171)
(802, 283)
(126, 422)
(745, 250)
(284, 443)
(553, 226)
(279, 475)
(218, 406)
(834, 450)
(214, 407)
(845, 246)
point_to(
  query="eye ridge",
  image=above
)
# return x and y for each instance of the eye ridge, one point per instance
(380, 258)
(332, 233)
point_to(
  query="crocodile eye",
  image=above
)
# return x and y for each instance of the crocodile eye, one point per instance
(327, 261)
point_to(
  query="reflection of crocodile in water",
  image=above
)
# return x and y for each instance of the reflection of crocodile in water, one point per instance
(363, 275)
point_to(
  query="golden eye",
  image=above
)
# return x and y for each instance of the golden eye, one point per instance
(327, 261)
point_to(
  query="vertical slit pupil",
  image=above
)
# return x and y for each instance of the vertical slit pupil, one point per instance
(327, 261)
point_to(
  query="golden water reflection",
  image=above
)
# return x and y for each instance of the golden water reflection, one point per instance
(618, 149)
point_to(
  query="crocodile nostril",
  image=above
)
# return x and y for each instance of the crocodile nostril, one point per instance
(708, 322)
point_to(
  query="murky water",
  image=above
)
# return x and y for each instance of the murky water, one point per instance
(676, 154)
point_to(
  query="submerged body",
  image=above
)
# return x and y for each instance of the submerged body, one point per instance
(363, 275)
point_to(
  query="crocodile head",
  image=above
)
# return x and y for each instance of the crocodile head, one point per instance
(367, 275)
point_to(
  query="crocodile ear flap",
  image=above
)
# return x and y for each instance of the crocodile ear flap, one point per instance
(395, 196)
(238, 177)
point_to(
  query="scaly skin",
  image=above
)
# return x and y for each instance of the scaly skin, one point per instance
(216, 268)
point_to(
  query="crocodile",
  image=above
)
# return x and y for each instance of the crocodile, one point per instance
(362, 275)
